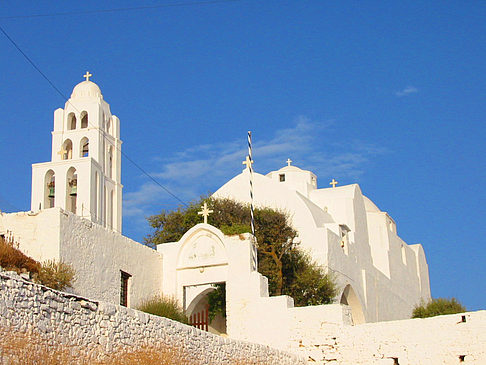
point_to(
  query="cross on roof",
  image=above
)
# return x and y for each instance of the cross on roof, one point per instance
(87, 76)
(205, 212)
(333, 183)
(247, 162)
(289, 161)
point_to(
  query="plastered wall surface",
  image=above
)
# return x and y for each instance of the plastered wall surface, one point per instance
(449, 339)
(97, 254)
(347, 233)
(93, 330)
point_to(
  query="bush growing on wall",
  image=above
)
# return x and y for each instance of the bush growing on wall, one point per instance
(11, 258)
(164, 306)
(55, 275)
(437, 307)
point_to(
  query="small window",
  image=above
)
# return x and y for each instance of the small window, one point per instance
(281, 177)
(344, 230)
(124, 288)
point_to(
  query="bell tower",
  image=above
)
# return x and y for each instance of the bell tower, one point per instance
(84, 174)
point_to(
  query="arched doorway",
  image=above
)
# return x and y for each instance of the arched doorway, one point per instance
(350, 298)
(207, 307)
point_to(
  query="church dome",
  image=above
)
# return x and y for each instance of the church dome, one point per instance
(290, 168)
(86, 89)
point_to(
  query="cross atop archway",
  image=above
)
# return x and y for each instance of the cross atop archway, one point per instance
(289, 161)
(247, 162)
(205, 212)
(333, 183)
(87, 76)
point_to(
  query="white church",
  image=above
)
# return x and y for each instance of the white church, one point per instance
(76, 217)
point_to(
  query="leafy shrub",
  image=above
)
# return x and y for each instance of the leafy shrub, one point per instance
(217, 301)
(164, 306)
(311, 285)
(437, 307)
(11, 258)
(55, 275)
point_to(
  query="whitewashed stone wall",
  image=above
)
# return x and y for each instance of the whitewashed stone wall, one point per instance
(450, 339)
(93, 330)
(97, 254)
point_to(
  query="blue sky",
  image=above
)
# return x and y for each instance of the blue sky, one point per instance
(385, 94)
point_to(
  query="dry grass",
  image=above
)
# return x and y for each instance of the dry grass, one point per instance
(11, 258)
(31, 349)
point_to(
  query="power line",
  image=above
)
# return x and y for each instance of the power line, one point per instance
(117, 10)
(66, 99)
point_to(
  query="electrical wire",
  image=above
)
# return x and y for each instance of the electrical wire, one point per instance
(116, 10)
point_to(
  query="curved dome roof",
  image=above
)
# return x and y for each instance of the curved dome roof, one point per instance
(291, 168)
(86, 89)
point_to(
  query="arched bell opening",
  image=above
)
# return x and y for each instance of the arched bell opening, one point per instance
(207, 310)
(71, 121)
(350, 298)
(84, 147)
(49, 189)
(67, 150)
(71, 190)
(84, 119)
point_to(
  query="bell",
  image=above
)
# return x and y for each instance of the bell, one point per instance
(51, 192)
(74, 190)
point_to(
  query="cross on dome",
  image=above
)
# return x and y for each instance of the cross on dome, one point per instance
(87, 76)
(289, 161)
(247, 162)
(205, 212)
(333, 183)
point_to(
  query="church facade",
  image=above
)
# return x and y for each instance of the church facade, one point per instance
(76, 215)
(381, 277)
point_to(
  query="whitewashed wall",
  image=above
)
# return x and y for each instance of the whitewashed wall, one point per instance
(97, 254)
(437, 340)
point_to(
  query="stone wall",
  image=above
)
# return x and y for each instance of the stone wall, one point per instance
(93, 330)
(449, 339)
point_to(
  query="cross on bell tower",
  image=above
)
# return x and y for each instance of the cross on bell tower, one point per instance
(87, 76)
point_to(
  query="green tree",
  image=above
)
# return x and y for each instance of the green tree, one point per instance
(288, 269)
(437, 307)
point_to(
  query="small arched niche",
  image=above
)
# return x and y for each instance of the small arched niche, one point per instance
(110, 165)
(67, 150)
(71, 190)
(350, 298)
(84, 119)
(71, 121)
(109, 126)
(49, 189)
(84, 147)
